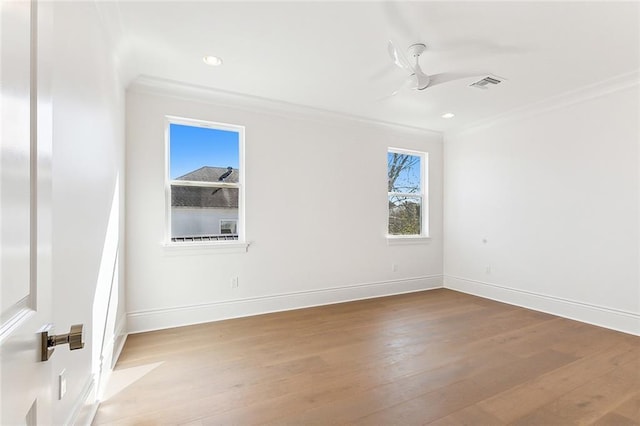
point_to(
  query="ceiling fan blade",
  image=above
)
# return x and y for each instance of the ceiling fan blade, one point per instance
(422, 80)
(398, 58)
(409, 83)
(388, 69)
(447, 77)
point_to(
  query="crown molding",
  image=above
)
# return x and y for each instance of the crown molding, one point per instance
(582, 94)
(153, 85)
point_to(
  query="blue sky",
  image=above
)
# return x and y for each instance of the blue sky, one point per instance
(409, 177)
(194, 147)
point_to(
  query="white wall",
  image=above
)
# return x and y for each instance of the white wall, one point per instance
(320, 177)
(554, 190)
(88, 158)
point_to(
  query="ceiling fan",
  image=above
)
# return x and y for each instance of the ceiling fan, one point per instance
(418, 79)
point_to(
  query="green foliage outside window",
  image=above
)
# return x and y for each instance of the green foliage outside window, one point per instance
(405, 193)
(404, 216)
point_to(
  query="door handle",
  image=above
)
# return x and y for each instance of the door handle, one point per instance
(75, 339)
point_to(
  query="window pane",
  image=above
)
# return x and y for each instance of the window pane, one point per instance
(404, 215)
(404, 173)
(203, 154)
(198, 214)
(228, 226)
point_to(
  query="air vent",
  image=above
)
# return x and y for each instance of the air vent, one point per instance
(486, 82)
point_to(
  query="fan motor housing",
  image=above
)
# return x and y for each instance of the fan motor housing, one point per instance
(415, 50)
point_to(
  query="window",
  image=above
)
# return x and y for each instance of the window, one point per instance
(204, 181)
(406, 171)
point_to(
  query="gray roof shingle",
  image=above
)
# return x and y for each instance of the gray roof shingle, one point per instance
(210, 174)
(192, 196)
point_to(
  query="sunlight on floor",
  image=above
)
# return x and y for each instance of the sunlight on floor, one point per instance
(120, 379)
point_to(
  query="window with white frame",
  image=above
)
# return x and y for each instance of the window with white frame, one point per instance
(406, 172)
(204, 181)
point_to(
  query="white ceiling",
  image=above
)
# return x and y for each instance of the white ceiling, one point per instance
(333, 55)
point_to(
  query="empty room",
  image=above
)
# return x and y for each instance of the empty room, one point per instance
(320, 212)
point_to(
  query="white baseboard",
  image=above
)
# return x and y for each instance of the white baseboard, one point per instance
(91, 401)
(119, 339)
(156, 319)
(86, 406)
(627, 322)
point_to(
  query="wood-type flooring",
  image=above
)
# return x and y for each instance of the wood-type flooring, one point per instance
(437, 357)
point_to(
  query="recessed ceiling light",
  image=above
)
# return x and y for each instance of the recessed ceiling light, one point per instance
(214, 61)
(448, 115)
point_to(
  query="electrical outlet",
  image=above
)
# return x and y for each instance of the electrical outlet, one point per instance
(62, 384)
(234, 282)
(488, 269)
(394, 267)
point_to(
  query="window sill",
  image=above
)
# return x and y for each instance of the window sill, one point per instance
(397, 240)
(220, 247)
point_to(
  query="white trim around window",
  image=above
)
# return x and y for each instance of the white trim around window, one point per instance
(423, 194)
(224, 246)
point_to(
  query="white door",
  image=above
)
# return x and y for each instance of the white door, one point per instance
(25, 234)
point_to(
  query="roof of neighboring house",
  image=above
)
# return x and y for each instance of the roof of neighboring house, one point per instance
(192, 196)
(211, 174)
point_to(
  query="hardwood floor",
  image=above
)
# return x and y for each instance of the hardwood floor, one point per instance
(437, 357)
